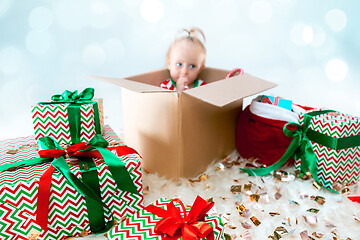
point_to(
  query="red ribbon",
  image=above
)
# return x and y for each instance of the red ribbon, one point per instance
(45, 179)
(191, 227)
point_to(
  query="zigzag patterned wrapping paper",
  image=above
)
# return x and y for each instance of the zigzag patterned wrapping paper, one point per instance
(52, 120)
(342, 166)
(141, 225)
(68, 214)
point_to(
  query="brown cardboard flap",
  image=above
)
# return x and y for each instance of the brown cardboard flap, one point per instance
(135, 86)
(223, 92)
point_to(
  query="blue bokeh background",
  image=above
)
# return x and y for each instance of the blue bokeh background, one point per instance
(310, 48)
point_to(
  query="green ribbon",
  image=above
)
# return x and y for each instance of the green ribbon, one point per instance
(89, 187)
(300, 147)
(75, 100)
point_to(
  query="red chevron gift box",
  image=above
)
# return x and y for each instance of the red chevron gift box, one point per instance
(69, 117)
(334, 139)
(170, 219)
(27, 194)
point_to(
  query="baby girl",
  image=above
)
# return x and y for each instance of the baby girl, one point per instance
(185, 60)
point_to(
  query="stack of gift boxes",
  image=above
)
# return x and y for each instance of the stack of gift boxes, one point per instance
(76, 177)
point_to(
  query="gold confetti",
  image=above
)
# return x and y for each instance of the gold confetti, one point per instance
(84, 233)
(345, 190)
(203, 177)
(320, 200)
(318, 235)
(235, 188)
(254, 197)
(313, 210)
(356, 218)
(255, 221)
(231, 227)
(242, 210)
(247, 187)
(274, 213)
(146, 190)
(227, 236)
(12, 151)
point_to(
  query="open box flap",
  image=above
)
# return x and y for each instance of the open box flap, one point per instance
(223, 92)
(131, 85)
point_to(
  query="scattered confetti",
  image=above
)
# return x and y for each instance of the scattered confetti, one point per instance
(247, 187)
(255, 221)
(235, 188)
(242, 210)
(313, 210)
(320, 200)
(12, 151)
(293, 202)
(277, 195)
(231, 227)
(274, 213)
(357, 218)
(318, 235)
(246, 225)
(329, 224)
(254, 197)
(283, 176)
(146, 190)
(310, 219)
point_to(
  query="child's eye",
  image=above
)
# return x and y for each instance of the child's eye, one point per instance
(192, 66)
(179, 64)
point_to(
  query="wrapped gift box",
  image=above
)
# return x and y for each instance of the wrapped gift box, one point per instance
(67, 208)
(335, 140)
(142, 224)
(55, 119)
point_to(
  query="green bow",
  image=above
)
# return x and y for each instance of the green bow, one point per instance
(73, 97)
(75, 100)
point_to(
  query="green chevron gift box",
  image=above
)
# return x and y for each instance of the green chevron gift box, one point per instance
(69, 117)
(71, 208)
(335, 141)
(170, 219)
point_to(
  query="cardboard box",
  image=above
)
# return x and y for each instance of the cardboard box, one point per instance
(179, 135)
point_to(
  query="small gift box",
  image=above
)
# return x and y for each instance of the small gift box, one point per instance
(277, 101)
(170, 219)
(69, 118)
(335, 143)
(44, 196)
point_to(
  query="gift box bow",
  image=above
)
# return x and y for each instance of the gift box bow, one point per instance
(190, 227)
(300, 147)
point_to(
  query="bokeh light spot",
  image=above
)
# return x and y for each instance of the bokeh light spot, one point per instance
(40, 18)
(336, 70)
(11, 60)
(308, 35)
(94, 55)
(336, 19)
(152, 10)
(302, 34)
(261, 12)
(319, 37)
(38, 42)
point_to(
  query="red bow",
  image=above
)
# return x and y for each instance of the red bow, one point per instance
(190, 227)
(76, 150)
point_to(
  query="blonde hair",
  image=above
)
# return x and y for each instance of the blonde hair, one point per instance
(190, 35)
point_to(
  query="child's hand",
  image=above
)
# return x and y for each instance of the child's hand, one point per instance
(182, 84)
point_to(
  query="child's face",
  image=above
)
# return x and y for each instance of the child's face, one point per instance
(185, 62)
